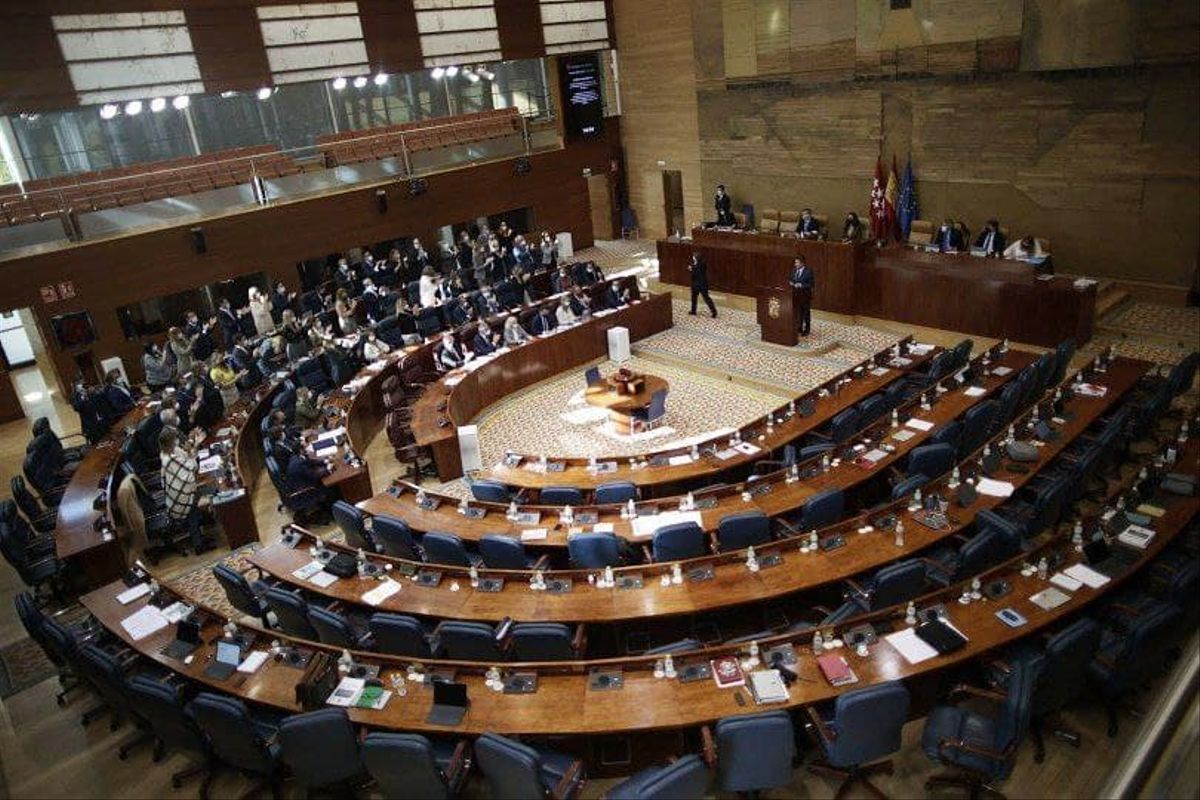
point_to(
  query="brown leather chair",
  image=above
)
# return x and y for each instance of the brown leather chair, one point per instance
(921, 232)
(788, 220)
(768, 220)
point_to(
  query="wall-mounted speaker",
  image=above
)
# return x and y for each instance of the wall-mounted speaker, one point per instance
(522, 166)
(199, 244)
(417, 186)
(381, 201)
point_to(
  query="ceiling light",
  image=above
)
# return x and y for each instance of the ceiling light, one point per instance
(182, 101)
(436, 73)
(339, 83)
(472, 77)
(451, 71)
(487, 73)
(360, 82)
(265, 93)
(158, 104)
(229, 93)
(133, 108)
(381, 79)
(109, 110)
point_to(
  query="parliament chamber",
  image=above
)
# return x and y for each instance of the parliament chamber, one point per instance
(577, 398)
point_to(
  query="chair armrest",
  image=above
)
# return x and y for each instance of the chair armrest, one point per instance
(714, 546)
(580, 640)
(982, 752)
(543, 561)
(788, 528)
(856, 589)
(647, 554)
(708, 747)
(459, 766)
(818, 725)
(1122, 608)
(572, 781)
(975, 691)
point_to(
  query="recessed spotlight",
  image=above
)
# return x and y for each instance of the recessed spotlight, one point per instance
(339, 83)
(109, 110)
(158, 104)
(436, 73)
(229, 93)
(451, 71)
(360, 82)
(381, 79)
(133, 108)
(265, 93)
(183, 101)
(471, 76)
(487, 73)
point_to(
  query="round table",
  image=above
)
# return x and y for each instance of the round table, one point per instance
(621, 407)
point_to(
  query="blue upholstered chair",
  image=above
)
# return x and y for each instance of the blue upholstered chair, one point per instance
(545, 641)
(977, 423)
(987, 548)
(334, 629)
(499, 551)
(615, 492)
(237, 739)
(743, 529)
(448, 549)
(950, 433)
(678, 541)
(459, 640)
(1062, 678)
(871, 409)
(983, 746)
(321, 748)
(408, 766)
(395, 538)
(161, 705)
(843, 425)
(1127, 659)
(891, 585)
(399, 635)
(931, 459)
(753, 752)
(909, 485)
(101, 670)
(291, 612)
(516, 771)
(560, 496)
(353, 523)
(594, 550)
(865, 726)
(488, 491)
(591, 376)
(822, 509)
(682, 779)
(241, 594)
(654, 413)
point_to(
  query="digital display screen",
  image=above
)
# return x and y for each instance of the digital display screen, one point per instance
(583, 106)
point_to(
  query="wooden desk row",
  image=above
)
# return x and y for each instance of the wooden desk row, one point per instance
(565, 703)
(773, 494)
(661, 478)
(959, 292)
(731, 584)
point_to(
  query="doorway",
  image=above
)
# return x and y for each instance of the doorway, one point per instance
(673, 200)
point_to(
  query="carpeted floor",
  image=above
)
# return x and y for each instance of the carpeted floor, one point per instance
(22, 664)
(1172, 322)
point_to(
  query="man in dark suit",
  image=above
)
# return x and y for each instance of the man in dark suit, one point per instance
(543, 321)
(808, 227)
(486, 341)
(802, 278)
(947, 238)
(699, 273)
(724, 205)
(231, 326)
(117, 396)
(991, 240)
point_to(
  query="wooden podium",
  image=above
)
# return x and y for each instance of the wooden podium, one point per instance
(777, 308)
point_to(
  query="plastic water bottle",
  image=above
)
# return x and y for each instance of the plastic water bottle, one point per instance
(609, 579)
(818, 644)
(474, 575)
(895, 418)
(1043, 568)
(910, 614)
(899, 533)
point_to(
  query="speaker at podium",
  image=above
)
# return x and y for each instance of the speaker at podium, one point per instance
(778, 311)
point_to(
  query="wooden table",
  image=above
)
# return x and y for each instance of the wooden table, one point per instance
(959, 292)
(622, 406)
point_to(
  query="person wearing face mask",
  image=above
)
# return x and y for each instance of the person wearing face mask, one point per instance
(724, 207)
(948, 239)
(514, 334)
(563, 314)
(808, 227)
(450, 354)
(560, 281)
(991, 239)
(260, 312)
(852, 228)
(485, 341)
(157, 368)
(374, 348)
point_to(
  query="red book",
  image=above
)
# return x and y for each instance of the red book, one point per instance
(727, 672)
(836, 670)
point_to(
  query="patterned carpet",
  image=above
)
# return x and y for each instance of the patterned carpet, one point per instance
(22, 664)
(1156, 320)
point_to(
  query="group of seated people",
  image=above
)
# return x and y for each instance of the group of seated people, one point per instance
(952, 237)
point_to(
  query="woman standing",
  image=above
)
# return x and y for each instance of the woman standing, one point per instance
(157, 367)
(260, 312)
(181, 348)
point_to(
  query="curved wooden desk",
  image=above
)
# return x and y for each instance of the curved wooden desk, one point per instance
(772, 494)
(731, 583)
(621, 407)
(565, 705)
(659, 477)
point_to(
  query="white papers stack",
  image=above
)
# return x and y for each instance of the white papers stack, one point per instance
(879, 372)
(323, 579)
(1048, 599)
(920, 349)
(1001, 371)
(176, 611)
(974, 391)
(644, 527)
(919, 424)
(1087, 576)
(1136, 536)
(903, 435)
(325, 452)
(994, 488)
(308, 570)
(533, 535)
(129, 595)
(604, 527)
(1091, 390)
(381, 592)
(253, 661)
(911, 646)
(1065, 581)
(679, 461)
(747, 448)
(144, 622)
(900, 362)
(768, 687)
(210, 464)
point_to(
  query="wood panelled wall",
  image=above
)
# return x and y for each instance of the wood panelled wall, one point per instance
(115, 272)
(1074, 121)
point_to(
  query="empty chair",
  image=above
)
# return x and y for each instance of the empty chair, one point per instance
(754, 751)
(320, 747)
(822, 509)
(446, 548)
(909, 485)
(1062, 678)
(333, 629)
(516, 771)
(843, 425)
(653, 414)
(560, 496)
(1062, 359)
(36, 624)
(488, 491)
(395, 538)
(891, 585)
(594, 550)
(291, 613)
(545, 641)
(950, 433)
(42, 519)
(681, 779)
(104, 673)
(871, 409)
(353, 524)
(241, 594)
(987, 548)
(983, 746)
(459, 640)
(678, 541)
(399, 635)
(238, 740)
(865, 726)
(161, 705)
(977, 423)
(743, 529)
(505, 552)
(615, 492)
(1126, 660)
(680, 646)
(931, 459)
(592, 376)
(407, 765)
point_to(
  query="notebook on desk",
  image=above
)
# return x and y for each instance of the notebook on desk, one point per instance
(449, 703)
(229, 655)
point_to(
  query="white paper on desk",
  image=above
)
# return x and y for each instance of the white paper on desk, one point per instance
(919, 348)
(604, 527)
(911, 646)
(726, 454)
(644, 527)
(679, 461)
(1065, 581)
(1087, 576)
(879, 372)
(919, 424)
(176, 611)
(747, 448)
(994, 488)
(325, 452)
(974, 391)
(903, 435)
(308, 570)
(333, 432)
(133, 593)
(533, 535)
(143, 622)
(323, 579)
(253, 661)
(1091, 390)
(381, 592)
(346, 693)
(1001, 371)
(210, 464)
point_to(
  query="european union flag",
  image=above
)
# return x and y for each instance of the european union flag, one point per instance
(907, 201)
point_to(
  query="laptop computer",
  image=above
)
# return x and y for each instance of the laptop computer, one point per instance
(449, 703)
(187, 639)
(229, 655)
